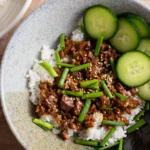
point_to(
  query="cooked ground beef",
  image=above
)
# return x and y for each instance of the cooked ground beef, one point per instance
(66, 109)
(67, 103)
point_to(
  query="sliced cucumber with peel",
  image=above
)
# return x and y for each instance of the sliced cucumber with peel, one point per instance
(133, 68)
(127, 37)
(144, 46)
(144, 91)
(100, 21)
(140, 23)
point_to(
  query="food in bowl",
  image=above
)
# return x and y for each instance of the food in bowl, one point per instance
(95, 83)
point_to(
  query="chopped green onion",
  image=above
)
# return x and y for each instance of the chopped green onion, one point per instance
(139, 115)
(85, 142)
(94, 86)
(49, 69)
(57, 57)
(92, 95)
(43, 128)
(122, 97)
(109, 135)
(84, 110)
(72, 93)
(81, 67)
(45, 125)
(112, 64)
(107, 91)
(113, 123)
(62, 41)
(108, 75)
(120, 144)
(136, 126)
(82, 28)
(109, 146)
(84, 84)
(147, 106)
(111, 109)
(98, 45)
(63, 78)
(65, 65)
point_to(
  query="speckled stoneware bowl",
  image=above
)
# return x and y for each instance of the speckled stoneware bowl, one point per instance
(44, 27)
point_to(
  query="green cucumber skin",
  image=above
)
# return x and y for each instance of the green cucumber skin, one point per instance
(138, 33)
(141, 49)
(138, 36)
(146, 27)
(123, 15)
(117, 71)
(110, 11)
(131, 16)
(144, 92)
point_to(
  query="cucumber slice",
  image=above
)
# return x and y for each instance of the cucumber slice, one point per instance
(140, 23)
(133, 68)
(144, 91)
(127, 37)
(100, 21)
(144, 46)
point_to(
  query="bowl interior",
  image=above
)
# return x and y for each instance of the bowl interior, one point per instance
(43, 27)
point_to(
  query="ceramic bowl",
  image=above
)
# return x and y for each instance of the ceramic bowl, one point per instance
(11, 11)
(44, 26)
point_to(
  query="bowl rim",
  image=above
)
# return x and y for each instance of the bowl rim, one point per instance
(2, 97)
(17, 18)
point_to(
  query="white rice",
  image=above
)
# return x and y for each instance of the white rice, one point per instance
(66, 59)
(51, 119)
(77, 35)
(38, 74)
(33, 85)
(119, 133)
(98, 133)
(56, 130)
(134, 112)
